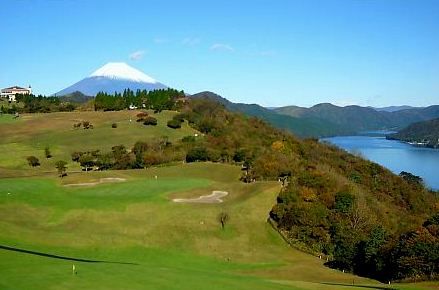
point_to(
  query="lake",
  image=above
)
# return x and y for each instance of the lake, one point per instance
(396, 156)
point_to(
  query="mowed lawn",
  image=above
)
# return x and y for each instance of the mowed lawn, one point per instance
(170, 245)
(30, 134)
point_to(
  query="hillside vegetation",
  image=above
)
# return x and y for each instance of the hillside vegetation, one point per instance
(301, 127)
(355, 119)
(425, 133)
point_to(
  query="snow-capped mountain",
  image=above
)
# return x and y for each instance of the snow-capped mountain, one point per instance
(113, 77)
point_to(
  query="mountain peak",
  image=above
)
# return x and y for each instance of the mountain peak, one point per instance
(121, 70)
(113, 77)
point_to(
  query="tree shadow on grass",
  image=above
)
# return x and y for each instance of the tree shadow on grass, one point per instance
(61, 257)
(360, 286)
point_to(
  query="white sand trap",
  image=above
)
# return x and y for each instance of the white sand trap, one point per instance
(102, 180)
(214, 197)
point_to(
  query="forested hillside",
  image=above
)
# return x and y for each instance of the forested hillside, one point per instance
(355, 119)
(424, 133)
(302, 127)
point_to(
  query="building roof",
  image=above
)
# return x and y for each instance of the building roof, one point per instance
(15, 88)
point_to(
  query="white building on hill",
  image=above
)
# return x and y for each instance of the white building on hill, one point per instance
(11, 92)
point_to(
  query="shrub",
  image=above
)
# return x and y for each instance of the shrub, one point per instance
(411, 178)
(179, 117)
(174, 124)
(76, 155)
(188, 139)
(140, 147)
(87, 125)
(142, 115)
(152, 158)
(150, 121)
(197, 154)
(33, 161)
(344, 202)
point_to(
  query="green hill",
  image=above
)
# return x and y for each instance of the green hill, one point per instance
(425, 133)
(326, 119)
(355, 119)
(75, 97)
(302, 127)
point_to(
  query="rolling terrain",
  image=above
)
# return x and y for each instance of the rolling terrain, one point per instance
(121, 229)
(323, 120)
(302, 127)
(355, 119)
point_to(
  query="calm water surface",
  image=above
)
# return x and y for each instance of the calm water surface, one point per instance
(395, 155)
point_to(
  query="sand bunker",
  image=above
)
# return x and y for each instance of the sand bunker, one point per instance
(214, 197)
(102, 180)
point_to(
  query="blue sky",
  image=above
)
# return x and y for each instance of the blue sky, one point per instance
(366, 52)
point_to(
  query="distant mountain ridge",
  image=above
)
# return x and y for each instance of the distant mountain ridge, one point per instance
(302, 127)
(111, 78)
(395, 108)
(327, 119)
(355, 119)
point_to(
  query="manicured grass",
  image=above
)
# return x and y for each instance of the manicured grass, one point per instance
(31, 133)
(176, 246)
(7, 118)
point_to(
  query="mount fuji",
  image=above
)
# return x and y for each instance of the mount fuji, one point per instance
(113, 77)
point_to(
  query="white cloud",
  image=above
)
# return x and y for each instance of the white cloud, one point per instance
(221, 47)
(190, 41)
(137, 55)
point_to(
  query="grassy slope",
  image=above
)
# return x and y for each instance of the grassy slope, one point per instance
(31, 133)
(176, 246)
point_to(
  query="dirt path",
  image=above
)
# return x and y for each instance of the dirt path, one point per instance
(102, 180)
(214, 197)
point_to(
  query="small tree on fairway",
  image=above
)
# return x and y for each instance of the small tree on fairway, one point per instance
(223, 218)
(47, 152)
(61, 167)
(33, 161)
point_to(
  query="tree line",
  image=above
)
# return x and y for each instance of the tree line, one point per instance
(157, 100)
(42, 104)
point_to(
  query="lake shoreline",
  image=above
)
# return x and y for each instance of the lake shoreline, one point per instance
(395, 155)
